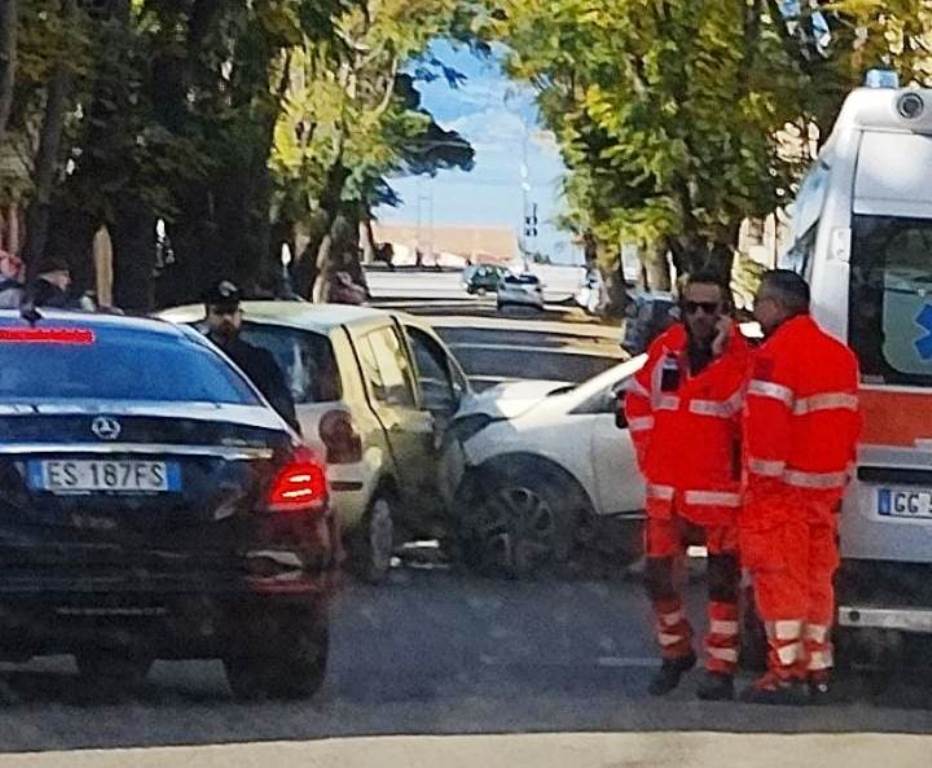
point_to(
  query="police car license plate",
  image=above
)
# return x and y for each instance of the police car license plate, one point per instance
(900, 503)
(83, 476)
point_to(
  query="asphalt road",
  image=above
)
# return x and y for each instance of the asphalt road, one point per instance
(559, 343)
(437, 651)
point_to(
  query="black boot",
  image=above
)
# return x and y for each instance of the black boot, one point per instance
(669, 674)
(771, 689)
(716, 686)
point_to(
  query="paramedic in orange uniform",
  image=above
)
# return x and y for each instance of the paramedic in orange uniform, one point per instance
(683, 409)
(800, 434)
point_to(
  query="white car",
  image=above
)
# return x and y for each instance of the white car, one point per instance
(374, 391)
(523, 290)
(533, 467)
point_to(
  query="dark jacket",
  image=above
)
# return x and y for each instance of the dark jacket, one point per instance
(260, 366)
(11, 293)
(42, 293)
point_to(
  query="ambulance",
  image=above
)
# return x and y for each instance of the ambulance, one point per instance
(862, 237)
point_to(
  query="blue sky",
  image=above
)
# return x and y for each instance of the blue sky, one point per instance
(495, 115)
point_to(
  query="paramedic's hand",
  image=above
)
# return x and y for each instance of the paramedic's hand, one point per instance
(724, 328)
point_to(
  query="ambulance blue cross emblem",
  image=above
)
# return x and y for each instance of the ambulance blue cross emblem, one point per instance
(924, 345)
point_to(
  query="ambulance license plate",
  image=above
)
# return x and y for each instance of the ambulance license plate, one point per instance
(909, 504)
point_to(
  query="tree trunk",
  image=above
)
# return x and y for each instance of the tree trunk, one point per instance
(656, 264)
(71, 237)
(8, 28)
(367, 236)
(331, 206)
(46, 165)
(133, 238)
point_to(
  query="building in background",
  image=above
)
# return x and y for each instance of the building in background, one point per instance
(448, 246)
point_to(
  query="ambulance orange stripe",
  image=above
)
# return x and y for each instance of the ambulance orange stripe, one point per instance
(895, 418)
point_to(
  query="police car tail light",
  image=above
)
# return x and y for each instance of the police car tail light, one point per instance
(339, 434)
(299, 486)
(63, 336)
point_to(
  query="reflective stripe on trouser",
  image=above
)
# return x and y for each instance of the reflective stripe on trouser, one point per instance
(786, 655)
(673, 630)
(818, 647)
(721, 644)
(792, 572)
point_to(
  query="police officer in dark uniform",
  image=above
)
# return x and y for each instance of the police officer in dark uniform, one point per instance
(224, 321)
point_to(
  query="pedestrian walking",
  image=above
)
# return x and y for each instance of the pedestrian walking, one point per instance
(801, 427)
(224, 327)
(683, 412)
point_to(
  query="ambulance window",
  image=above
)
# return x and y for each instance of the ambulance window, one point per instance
(801, 255)
(890, 317)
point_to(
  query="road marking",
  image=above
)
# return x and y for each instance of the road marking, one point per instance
(627, 662)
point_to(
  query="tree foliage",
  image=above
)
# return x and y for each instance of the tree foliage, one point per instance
(679, 118)
(232, 120)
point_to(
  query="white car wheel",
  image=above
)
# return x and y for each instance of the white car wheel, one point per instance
(516, 528)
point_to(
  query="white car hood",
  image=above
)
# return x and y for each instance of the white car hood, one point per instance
(510, 400)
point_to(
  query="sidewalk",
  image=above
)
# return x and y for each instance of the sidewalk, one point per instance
(591, 750)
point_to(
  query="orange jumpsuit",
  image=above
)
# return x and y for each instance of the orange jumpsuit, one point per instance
(800, 437)
(686, 429)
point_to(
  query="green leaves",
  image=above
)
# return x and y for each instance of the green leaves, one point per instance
(671, 114)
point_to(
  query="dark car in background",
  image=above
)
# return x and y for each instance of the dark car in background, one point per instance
(483, 278)
(154, 506)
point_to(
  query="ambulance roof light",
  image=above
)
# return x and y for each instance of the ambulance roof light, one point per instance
(882, 78)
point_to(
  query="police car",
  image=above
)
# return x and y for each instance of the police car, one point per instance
(154, 506)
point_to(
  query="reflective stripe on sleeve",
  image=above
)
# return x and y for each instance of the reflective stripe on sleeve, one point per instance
(635, 387)
(664, 492)
(766, 468)
(815, 480)
(826, 401)
(642, 424)
(772, 390)
(712, 498)
(722, 409)
(667, 403)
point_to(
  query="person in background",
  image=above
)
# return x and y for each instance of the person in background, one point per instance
(11, 281)
(683, 410)
(801, 427)
(52, 284)
(224, 324)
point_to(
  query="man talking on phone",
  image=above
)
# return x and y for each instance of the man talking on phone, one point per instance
(683, 410)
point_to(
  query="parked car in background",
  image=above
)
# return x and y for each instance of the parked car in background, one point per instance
(483, 278)
(535, 467)
(591, 292)
(521, 290)
(648, 314)
(154, 506)
(374, 393)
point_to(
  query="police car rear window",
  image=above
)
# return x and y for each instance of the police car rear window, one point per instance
(105, 363)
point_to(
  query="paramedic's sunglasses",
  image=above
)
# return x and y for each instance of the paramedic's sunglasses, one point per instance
(709, 307)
